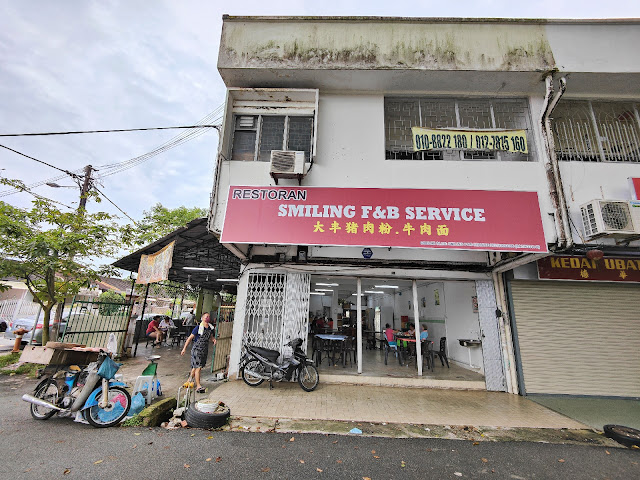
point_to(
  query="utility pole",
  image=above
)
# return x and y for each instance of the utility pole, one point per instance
(84, 191)
(86, 185)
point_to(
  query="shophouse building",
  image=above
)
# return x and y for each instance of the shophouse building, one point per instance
(475, 176)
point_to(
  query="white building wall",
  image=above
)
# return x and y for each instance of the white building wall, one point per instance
(350, 153)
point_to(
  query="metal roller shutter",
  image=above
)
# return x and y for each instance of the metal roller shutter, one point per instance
(578, 339)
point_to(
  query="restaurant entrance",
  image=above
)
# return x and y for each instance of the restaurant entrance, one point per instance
(448, 310)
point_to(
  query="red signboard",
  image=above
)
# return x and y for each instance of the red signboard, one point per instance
(450, 219)
(635, 182)
(607, 269)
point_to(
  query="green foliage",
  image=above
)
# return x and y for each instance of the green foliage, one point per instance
(158, 222)
(29, 369)
(51, 249)
(135, 421)
(9, 359)
(112, 302)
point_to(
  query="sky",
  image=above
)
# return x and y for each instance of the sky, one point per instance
(89, 65)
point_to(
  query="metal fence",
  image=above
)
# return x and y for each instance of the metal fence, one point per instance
(91, 322)
(13, 308)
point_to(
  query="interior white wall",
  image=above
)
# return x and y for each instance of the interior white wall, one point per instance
(462, 322)
(453, 318)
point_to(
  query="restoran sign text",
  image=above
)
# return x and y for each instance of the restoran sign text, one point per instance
(368, 217)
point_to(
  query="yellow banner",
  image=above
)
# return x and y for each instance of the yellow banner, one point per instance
(491, 140)
(155, 268)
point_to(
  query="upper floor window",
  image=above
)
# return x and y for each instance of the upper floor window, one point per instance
(401, 113)
(260, 120)
(590, 131)
(254, 136)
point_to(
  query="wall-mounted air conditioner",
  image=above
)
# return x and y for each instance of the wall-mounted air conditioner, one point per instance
(610, 217)
(287, 164)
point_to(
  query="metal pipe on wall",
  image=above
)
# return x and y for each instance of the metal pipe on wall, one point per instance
(416, 322)
(359, 326)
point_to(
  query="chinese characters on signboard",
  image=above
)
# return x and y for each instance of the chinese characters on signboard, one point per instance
(450, 219)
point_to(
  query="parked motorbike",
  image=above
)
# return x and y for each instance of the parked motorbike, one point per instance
(91, 391)
(259, 364)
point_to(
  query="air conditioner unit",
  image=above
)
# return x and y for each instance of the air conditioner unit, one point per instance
(287, 162)
(610, 217)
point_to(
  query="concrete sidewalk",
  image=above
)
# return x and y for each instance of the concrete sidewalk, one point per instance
(389, 405)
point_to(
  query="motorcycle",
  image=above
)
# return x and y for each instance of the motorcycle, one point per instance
(89, 392)
(259, 364)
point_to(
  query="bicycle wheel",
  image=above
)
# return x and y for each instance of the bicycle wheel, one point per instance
(308, 377)
(46, 390)
(252, 380)
(116, 409)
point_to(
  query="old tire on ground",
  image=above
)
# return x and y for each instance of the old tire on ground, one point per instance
(197, 419)
(627, 436)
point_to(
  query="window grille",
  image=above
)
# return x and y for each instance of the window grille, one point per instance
(254, 136)
(586, 131)
(400, 114)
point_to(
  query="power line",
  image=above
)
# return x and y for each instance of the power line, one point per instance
(214, 118)
(125, 213)
(40, 161)
(104, 131)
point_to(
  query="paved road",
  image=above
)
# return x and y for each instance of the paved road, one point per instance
(31, 449)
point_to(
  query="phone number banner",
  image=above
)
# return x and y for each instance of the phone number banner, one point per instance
(505, 221)
(494, 140)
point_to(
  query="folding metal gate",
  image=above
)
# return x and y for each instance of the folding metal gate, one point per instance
(277, 309)
(224, 330)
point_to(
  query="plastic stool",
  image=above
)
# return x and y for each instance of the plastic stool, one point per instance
(145, 384)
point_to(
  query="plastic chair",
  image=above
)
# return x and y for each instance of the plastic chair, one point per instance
(442, 354)
(428, 354)
(348, 347)
(388, 348)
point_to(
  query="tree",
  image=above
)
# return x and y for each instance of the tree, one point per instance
(112, 302)
(160, 221)
(51, 250)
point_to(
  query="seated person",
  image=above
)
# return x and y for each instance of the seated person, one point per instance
(423, 333)
(154, 332)
(389, 333)
(166, 324)
(412, 330)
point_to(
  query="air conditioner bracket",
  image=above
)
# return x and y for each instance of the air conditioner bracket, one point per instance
(298, 176)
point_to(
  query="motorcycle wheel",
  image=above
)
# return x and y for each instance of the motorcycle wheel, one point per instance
(46, 390)
(308, 377)
(249, 379)
(114, 412)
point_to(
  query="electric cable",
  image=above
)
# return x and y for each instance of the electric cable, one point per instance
(202, 126)
(111, 202)
(76, 132)
(67, 172)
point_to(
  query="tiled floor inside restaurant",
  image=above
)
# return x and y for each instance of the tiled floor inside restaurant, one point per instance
(375, 372)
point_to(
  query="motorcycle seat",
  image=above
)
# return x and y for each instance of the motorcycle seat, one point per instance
(265, 352)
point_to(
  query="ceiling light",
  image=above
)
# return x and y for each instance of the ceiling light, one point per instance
(323, 290)
(316, 293)
(227, 280)
(327, 284)
(385, 286)
(371, 291)
(205, 269)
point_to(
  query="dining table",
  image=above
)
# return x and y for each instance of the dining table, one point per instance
(336, 345)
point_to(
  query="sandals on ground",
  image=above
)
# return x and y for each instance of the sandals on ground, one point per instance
(201, 390)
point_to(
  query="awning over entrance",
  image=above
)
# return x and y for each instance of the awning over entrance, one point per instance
(195, 247)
